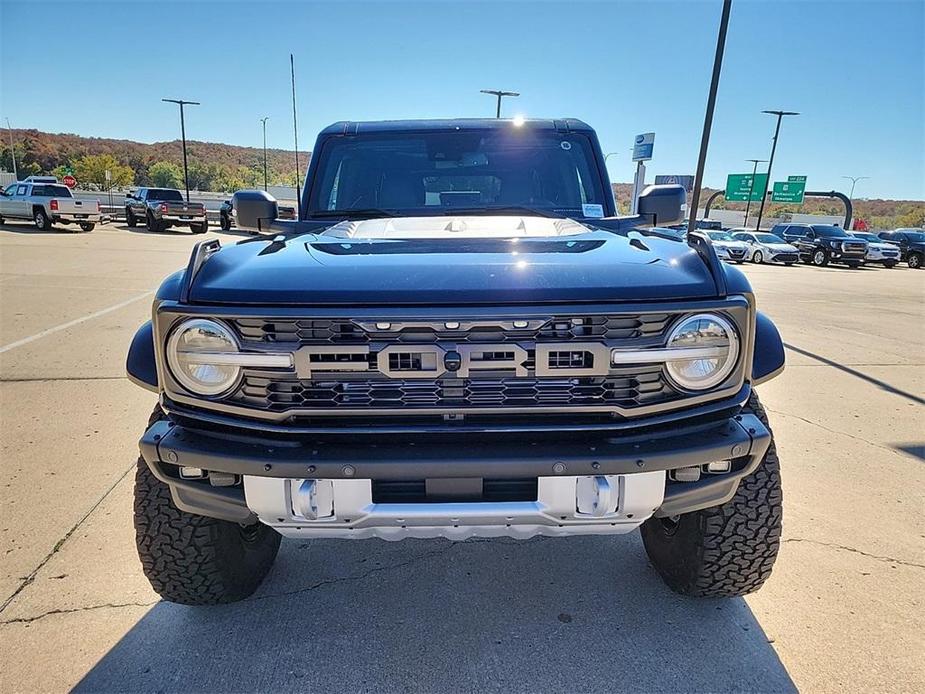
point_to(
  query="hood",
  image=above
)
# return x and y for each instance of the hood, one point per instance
(453, 260)
(780, 247)
(880, 246)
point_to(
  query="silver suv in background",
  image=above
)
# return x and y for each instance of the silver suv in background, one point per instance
(764, 247)
(46, 202)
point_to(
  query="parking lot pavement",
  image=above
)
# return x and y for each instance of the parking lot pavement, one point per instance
(843, 610)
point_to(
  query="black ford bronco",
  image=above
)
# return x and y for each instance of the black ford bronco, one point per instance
(457, 337)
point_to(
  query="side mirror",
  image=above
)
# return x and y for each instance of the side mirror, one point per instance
(254, 210)
(664, 203)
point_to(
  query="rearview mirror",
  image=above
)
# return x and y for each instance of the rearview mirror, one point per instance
(664, 203)
(254, 210)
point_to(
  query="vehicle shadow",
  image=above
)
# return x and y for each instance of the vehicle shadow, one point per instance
(883, 385)
(214, 228)
(31, 229)
(578, 614)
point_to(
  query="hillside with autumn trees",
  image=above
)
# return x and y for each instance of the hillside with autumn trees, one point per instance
(212, 166)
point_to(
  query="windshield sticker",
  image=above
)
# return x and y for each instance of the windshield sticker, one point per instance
(596, 211)
(566, 145)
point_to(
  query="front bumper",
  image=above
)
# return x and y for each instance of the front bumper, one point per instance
(341, 473)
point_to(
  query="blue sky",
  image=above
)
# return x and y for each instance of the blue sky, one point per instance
(855, 70)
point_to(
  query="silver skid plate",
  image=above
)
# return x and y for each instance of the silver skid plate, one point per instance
(568, 505)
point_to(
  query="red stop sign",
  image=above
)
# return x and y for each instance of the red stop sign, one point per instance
(69, 181)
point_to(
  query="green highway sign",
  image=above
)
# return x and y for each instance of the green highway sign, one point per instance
(789, 191)
(738, 187)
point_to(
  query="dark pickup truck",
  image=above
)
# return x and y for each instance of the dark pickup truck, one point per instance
(456, 338)
(163, 208)
(821, 244)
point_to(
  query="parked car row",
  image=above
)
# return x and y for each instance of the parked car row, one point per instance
(814, 244)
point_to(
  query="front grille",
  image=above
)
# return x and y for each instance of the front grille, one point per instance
(642, 385)
(787, 257)
(344, 331)
(736, 252)
(854, 248)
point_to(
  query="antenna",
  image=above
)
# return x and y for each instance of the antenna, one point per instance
(295, 130)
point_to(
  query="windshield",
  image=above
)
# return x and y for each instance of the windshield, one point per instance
(720, 236)
(164, 194)
(769, 238)
(440, 172)
(866, 237)
(829, 231)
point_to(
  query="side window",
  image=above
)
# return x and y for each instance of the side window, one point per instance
(10, 189)
(40, 191)
(20, 190)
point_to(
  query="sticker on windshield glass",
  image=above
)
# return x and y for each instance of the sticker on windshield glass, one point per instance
(565, 144)
(596, 211)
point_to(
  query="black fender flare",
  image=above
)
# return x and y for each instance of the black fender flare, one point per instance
(141, 364)
(769, 356)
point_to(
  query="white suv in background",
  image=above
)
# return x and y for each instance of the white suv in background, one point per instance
(878, 250)
(764, 247)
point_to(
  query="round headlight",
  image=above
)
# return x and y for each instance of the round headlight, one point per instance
(713, 346)
(198, 352)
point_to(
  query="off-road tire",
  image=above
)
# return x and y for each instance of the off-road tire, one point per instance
(914, 261)
(199, 228)
(819, 257)
(130, 218)
(42, 222)
(195, 560)
(726, 550)
(87, 226)
(225, 222)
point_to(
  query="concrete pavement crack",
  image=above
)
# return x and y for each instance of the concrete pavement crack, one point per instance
(834, 431)
(31, 577)
(88, 608)
(390, 567)
(845, 548)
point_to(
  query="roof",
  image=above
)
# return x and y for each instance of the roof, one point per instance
(353, 127)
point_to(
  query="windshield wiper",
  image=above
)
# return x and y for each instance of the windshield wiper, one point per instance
(515, 209)
(362, 212)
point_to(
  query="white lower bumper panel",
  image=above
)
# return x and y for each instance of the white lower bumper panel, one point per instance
(600, 504)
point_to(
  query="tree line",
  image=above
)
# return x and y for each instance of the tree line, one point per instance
(212, 166)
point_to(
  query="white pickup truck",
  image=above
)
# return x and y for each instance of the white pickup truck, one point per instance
(46, 202)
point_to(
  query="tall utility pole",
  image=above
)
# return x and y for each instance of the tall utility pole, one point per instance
(499, 93)
(751, 188)
(183, 103)
(12, 151)
(764, 193)
(264, 121)
(708, 116)
(854, 180)
(295, 133)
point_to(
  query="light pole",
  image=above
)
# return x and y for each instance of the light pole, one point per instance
(764, 193)
(12, 151)
(499, 93)
(751, 188)
(264, 121)
(708, 116)
(183, 103)
(854, 180)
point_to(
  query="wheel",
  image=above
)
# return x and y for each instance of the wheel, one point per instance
(225, 222)
(726, 550)
(195, 560)
(152, 224)
(758, 257)
(199, 228)
(42, 222)
(87, 226)
(130, 218)
(820, 257)
(915, 261)
(889, 266)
